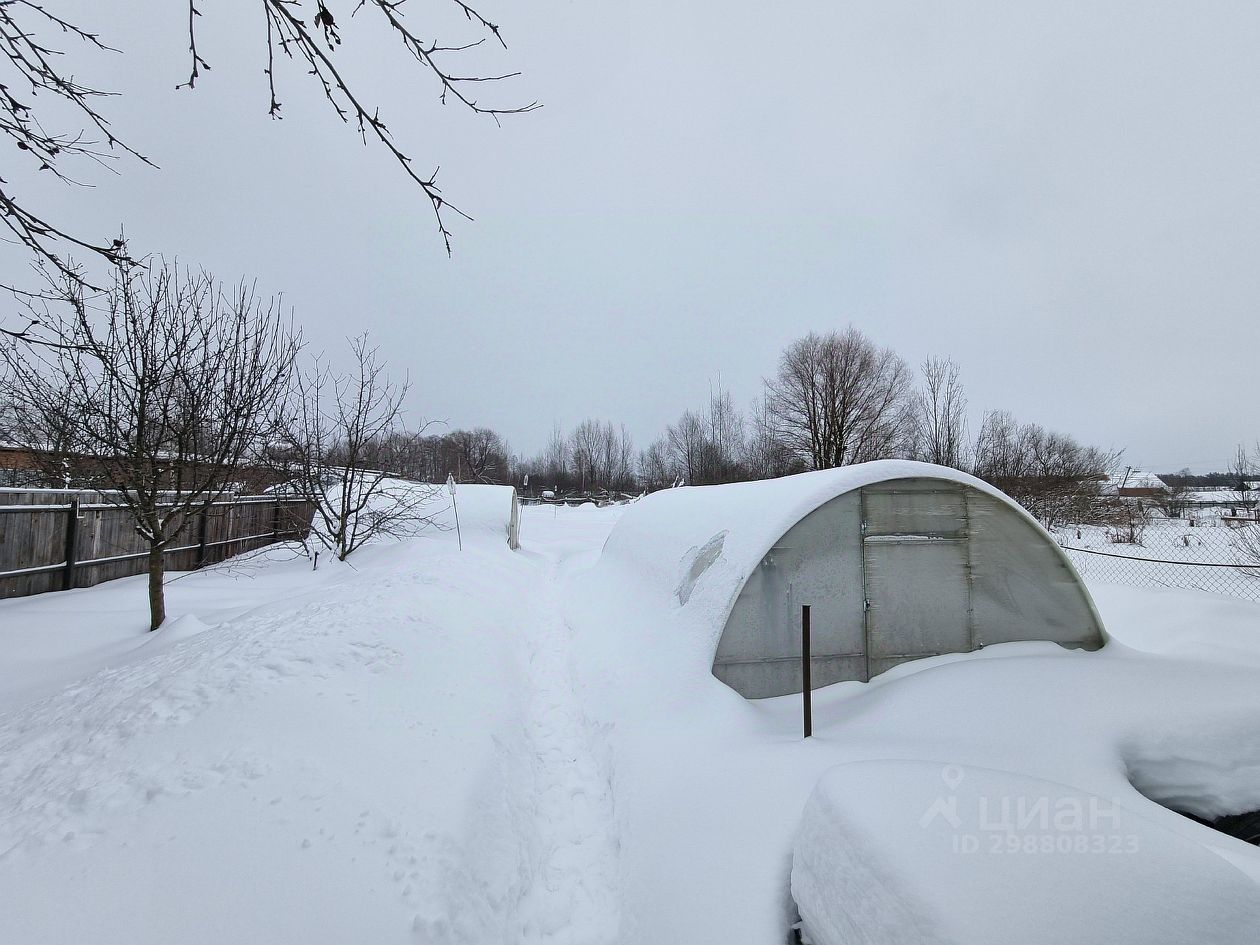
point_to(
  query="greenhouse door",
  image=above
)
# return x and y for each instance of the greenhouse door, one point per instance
(915, 573)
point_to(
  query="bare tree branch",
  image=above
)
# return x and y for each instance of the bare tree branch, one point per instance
(34, 73)
(314, 44)
(30, 71)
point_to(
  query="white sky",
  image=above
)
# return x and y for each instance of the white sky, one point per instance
(1061, 196)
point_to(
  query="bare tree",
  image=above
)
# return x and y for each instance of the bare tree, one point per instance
(941, 415)
(1245, 535)
(618, 459)
(1240, 470)
(839, 399)
(40, 89)
(341, 434)
(554, 462)
(725, 439)
(1127, 520)
(998, 451)
(1052, 475)
(686, 447)
(480, 456)
(584, 444)
(551, 468)
(157, 389)
(655, 469)
(1175, 503)
(766, 456)
(602, 456)
(706, 446)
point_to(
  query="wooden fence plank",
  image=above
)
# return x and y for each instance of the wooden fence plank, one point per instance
(33, 535)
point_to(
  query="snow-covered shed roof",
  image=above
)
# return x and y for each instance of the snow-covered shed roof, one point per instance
(1136, 479)
(700, 544)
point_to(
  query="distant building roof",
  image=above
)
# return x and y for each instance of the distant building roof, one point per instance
(1136, 480)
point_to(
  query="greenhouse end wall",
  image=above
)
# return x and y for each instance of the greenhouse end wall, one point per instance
(896, 571)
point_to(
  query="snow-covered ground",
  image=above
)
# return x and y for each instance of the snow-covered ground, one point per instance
(1169, 553)
(435, 746)
(1208, 541)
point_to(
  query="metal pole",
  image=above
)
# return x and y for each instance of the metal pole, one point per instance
(806, 693)
(201, 538)
(450, 484)
(72, 543)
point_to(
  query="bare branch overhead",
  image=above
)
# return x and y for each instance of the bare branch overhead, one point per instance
(39, 90)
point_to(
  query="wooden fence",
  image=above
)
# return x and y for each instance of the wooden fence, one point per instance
(54, 539)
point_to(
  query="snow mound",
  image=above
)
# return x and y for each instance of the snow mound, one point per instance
(922, 854)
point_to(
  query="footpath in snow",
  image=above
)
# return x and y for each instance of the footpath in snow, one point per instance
(389, 752)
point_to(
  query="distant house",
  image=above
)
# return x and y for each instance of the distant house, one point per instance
(1136, 484)
(19, 467)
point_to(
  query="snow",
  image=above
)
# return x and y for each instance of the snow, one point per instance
(429, 745)
(1086, 727)
(992, 857)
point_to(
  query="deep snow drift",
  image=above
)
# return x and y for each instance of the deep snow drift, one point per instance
(428, 745)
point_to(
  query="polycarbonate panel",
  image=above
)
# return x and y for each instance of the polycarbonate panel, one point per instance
(1022, 589)
(817, 562)
(915, 507)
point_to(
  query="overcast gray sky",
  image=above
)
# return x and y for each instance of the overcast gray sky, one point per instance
(1063, 197)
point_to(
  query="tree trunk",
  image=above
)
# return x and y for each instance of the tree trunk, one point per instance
(157, 594)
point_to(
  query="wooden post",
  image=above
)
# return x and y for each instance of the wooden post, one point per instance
(275, 522)
(806, 693)
(202, 526)
(72, 543)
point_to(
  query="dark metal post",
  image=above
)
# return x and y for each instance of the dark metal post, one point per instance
(72, 543)
(806, 688)
(202, 526)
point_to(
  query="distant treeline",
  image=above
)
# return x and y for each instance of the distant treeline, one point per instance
(834, 399)
(1189, 480)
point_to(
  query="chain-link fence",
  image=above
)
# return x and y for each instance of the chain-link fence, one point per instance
(1214, 556)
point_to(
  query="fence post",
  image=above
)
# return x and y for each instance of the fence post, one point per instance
(72, 543)
(806, 688)
(202, 527)
(275, 522)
